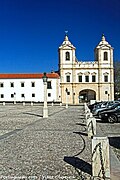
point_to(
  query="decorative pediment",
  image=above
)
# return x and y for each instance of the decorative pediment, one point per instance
(80, 74)
(68, 73)
(87, 73)
(94, 73)
(105, 74)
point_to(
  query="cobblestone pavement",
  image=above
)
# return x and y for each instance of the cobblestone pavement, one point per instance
(35, 148)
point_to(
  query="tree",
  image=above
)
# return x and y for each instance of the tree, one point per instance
(117, 78)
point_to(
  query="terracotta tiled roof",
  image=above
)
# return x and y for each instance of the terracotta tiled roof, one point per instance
(27, 76)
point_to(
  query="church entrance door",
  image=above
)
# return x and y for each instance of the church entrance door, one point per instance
(87, 95)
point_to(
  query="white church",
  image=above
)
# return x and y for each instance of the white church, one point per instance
(77, 80)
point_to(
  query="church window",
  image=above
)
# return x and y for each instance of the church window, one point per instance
(106, 78)
(79, 78)
(105, 56)
(67, 78)
(86, 78)
(49, 94)
(106, 92)
(93, 78)
(67, 56)
(68, 93)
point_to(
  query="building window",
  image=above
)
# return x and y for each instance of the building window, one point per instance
(33, 95)
(1, 84)
(67, 56)
(12, 95)
(49, 94)
(11, 84)
(49, 85)
(22, 84)
(106, 92)
(32, 84)
(79, 78)
(23, 95)
(68, 93)
(93, 78)
(105, 78)
(86, 78)
(67, 78)
(2, 96)
(105, 56)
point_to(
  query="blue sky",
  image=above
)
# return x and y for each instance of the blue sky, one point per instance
(32, 30)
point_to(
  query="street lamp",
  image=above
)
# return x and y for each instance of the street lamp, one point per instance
(14, 98)
(66, 98)
(45, 108)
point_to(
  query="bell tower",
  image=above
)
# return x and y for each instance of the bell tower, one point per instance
(67, 62)
(104, 52)
(104, 56)
(66, 54)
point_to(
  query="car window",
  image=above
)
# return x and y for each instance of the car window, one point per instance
(118, 107)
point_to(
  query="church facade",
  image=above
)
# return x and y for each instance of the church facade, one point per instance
(74, 82)
(85, 81)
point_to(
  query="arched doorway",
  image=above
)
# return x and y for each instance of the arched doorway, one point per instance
(87, 95)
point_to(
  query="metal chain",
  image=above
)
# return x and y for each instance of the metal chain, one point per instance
(91, 123)
(101, 159)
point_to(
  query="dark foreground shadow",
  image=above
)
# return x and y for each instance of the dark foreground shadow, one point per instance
(32, 114)
(81, 133)
(101, 121)
(80, 124)
(115, 142)
(79, 164)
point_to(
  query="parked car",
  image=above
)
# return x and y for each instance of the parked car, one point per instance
(111, 115)
(101, 107)
(92, 106)
(110, 107)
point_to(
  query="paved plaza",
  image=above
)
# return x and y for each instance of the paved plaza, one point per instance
(32, 147)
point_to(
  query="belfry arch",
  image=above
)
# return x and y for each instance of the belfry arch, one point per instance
(87, 95)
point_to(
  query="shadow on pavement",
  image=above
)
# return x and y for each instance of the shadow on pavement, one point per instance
(115, 142)
(81, 133)
(79, 164)
(32, 114)
(81, 124)
(101, 121)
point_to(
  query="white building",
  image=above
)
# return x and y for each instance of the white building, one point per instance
(28, 87)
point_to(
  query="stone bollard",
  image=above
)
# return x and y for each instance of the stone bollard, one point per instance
(52, 104)
(100, 158)
(31, 103)
(23, 103)
(3, 103)
(60, 104)
(91, 126)
(14, 102)
(87, 115)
